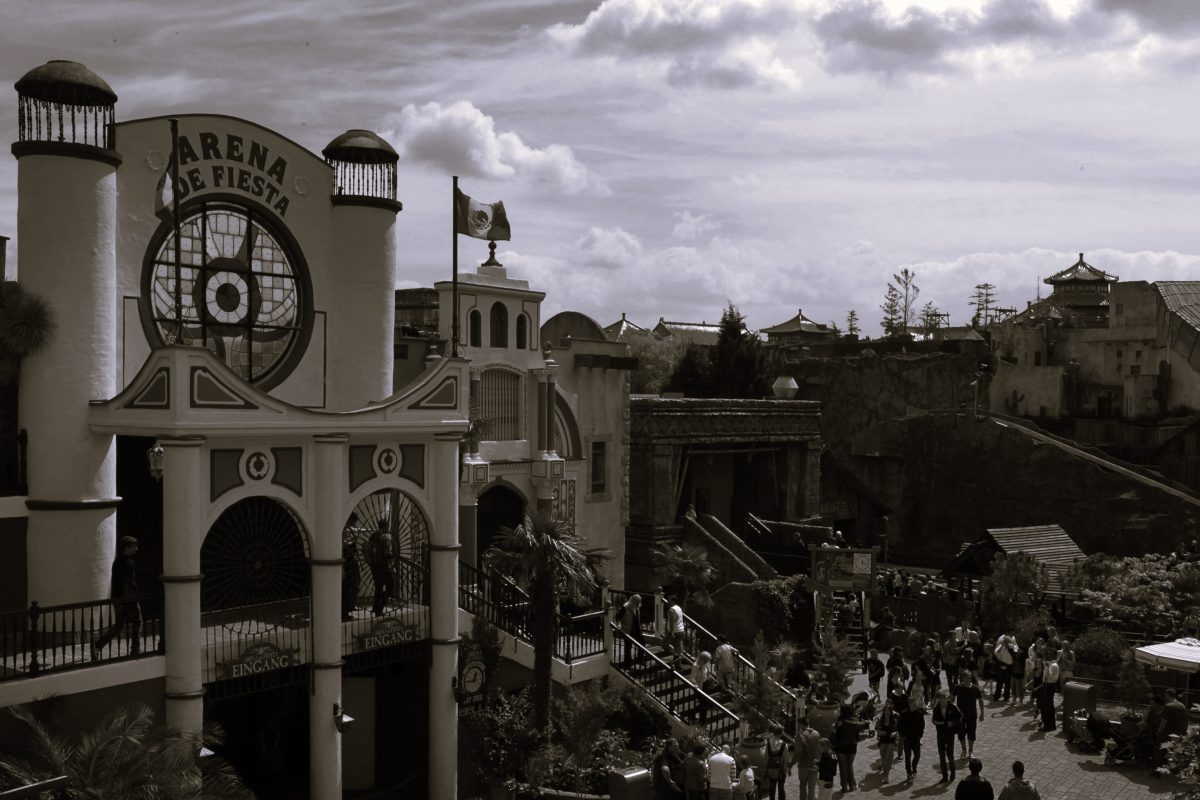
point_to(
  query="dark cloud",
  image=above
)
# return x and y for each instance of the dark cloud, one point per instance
(863, 36)
(717, 45)
(1171, 18)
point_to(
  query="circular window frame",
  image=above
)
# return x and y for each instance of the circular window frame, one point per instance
(262, 216)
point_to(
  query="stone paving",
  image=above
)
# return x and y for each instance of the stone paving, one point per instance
(1059, 770)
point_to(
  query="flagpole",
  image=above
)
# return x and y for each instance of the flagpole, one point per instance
(454, 335)
(175, 219)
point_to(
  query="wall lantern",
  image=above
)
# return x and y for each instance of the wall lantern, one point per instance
(154, 461)
(341, 720)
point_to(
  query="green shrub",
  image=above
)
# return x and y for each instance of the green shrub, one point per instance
(1098, 645)
(1026, 626)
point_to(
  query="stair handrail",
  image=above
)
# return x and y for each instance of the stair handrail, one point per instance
(663, 665)
(757, 525)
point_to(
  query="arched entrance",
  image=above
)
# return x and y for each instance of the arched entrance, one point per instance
(255, 594)
(385, 545)
(499, 507)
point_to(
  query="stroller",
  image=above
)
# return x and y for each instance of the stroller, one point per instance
(864, 704)
(1120, 742)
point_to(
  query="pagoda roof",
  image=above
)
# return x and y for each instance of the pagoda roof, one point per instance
(624, 327)
(1081, 271)
(798, 324)
(701, 333)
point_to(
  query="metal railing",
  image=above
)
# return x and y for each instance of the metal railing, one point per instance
(279, 629)
(670, 689)
(74, 635)
(403, 613)
(501, 602)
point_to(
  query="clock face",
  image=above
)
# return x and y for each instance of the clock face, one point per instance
(472, 680)
(238, 290)
(862, 563)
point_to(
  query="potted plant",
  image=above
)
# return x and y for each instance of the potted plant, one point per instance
(831, 684)
(759, 697)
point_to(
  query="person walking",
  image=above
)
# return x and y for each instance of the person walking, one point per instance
(873, 667)
(351, 578)
(950, 653)
(808, 753)
(1049, 684)
(885, 731)
(896, 661)
(779, 763)
(1066, 665)
(911, 727)
(1033, 674)
(974, 786)
(668, 772)
(381, 559)
(827, 767)
(1017, 787)
(127, 612)
(969, 699)
(725, 657)
(695, 774)
(845, 746)
(1016, 696)
(629, 618)
(676, 630)
(946, 719)
(721, 769)
(1003, 652)
(703, 683)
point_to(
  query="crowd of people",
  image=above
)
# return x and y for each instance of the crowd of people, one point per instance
(943, 688)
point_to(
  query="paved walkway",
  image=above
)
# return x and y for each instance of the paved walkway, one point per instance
(1061, 771)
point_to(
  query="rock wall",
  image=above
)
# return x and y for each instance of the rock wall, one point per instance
(861, 391)
(950, 477)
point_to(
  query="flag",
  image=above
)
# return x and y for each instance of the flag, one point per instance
(480, 220)
(164, 192)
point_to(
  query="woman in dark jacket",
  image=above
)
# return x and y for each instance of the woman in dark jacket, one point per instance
(845, 746)
(911, 727)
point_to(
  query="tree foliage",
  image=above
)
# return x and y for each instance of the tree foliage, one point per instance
(127, 755)
(26, 324)
(550, 560)
(983, 300)
(931, 316)
(906, 284)
(656, 357)
(1150, 593)
(735, 367)
(686, 566)
(893, 315)
(1016, 579)
(852, 328)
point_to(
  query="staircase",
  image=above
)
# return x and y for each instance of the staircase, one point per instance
(650, 668)
(585, 639)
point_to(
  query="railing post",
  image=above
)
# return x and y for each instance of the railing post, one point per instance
(35, 666)
(610, 615)
(658, 612)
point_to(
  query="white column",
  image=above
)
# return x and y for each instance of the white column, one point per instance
(185, 490)
(66, 247)
(443, 602)
(324, 741)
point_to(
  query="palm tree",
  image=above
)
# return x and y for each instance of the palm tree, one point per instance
(687, 567)
(549, 559)
(26, 324)
(126, 756)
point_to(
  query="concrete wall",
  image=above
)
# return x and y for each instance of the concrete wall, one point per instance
(1023, 390)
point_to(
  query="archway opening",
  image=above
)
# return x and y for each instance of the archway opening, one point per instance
(385, 552)
(499, 507)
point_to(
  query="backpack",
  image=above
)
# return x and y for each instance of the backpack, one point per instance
(808, 749)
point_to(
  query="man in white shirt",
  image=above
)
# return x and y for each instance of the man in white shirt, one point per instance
(720, 774)
(675, 629)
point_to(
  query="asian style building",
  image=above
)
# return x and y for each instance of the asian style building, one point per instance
(232, 388)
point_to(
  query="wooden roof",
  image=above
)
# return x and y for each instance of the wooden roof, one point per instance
(1048, 544)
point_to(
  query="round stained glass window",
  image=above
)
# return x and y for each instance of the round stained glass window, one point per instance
(238, 290)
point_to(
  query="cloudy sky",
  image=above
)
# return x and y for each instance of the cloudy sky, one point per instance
(665, 157)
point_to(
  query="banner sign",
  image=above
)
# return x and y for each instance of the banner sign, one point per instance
(262, 657)
(386, 633)
(842, 569)
(471, 677)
